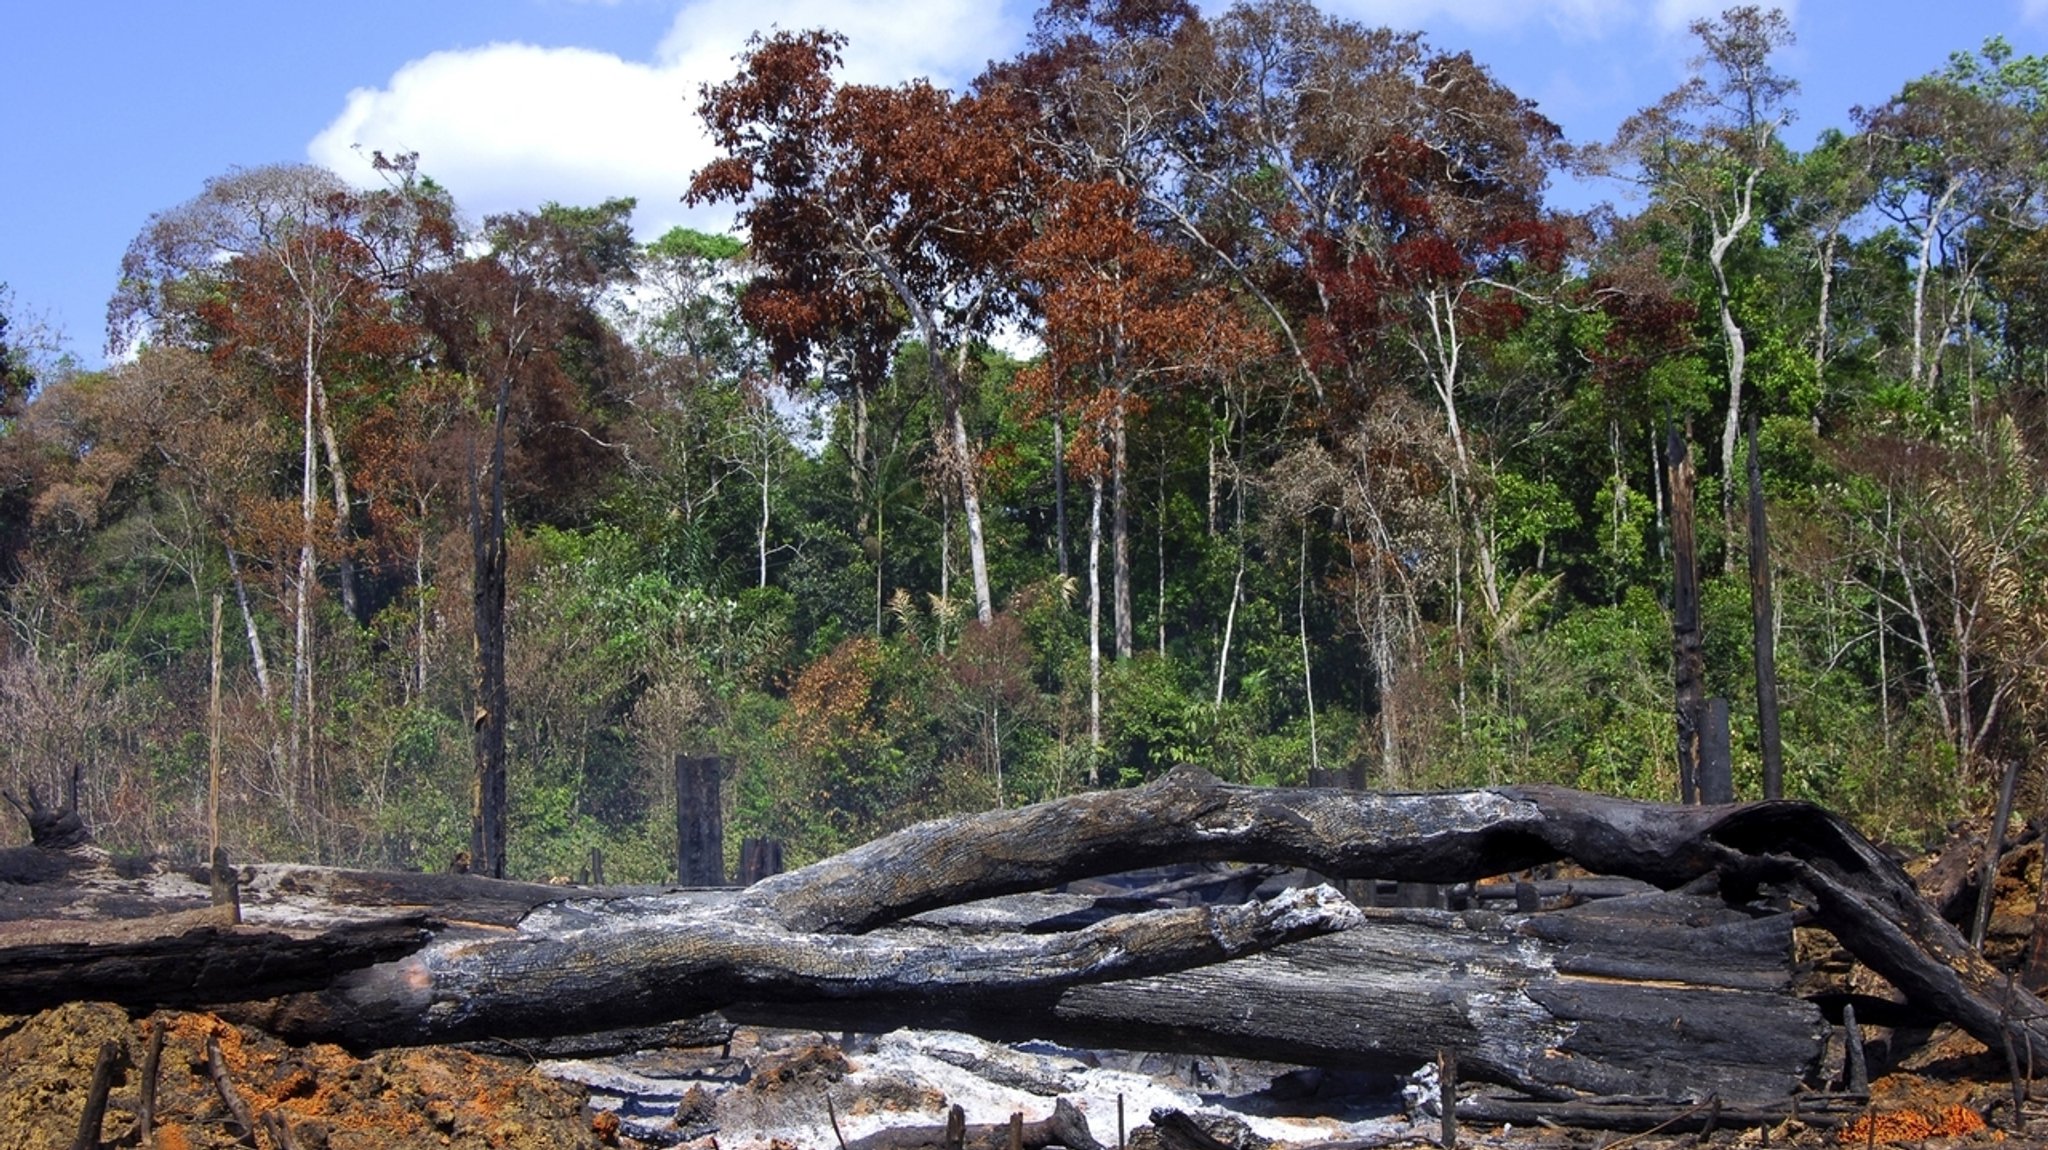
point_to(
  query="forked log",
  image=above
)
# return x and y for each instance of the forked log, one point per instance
(53, 828)
(1855, 890)
(807, 941)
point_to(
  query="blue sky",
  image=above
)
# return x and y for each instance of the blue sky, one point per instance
(119, 108)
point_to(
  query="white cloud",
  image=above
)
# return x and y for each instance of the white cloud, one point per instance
(510, 126)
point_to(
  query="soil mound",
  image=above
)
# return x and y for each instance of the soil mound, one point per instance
(431, 1098)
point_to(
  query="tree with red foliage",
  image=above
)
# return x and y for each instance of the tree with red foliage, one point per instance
(864, 201)
(1124, 318)
(1389, 197)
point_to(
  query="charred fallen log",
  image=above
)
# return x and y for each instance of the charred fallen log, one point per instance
(1663, 995)
(811, 937)
(190, 958)
(1854, 889)
(636, 968)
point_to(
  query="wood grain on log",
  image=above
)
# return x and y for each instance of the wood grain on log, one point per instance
(1664, 995)
(645, 969)
(567, 967)
(191, 958)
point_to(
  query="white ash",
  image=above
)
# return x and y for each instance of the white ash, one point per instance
(911, 1077)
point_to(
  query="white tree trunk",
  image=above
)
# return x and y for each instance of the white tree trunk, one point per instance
(1094, 630)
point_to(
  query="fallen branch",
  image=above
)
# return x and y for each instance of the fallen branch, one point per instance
(238, 1110)
(95, 1113)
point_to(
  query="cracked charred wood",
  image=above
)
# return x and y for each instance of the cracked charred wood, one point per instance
(1665, 996)
(632, 969)
(191, 958)
(1640, 1116)
(597, 964)
(1856, 890)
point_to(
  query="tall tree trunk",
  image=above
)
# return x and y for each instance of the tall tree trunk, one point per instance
(1687, 644)
(1159, 555)
(1447, 351)
(1236, 596)
(1763, 630)
(1094, 629)
(1308, 679)
(1383, 668)
(302, 608)
(1738, 355)
(419, 597)
(1923, 366)
(487, 549)
(1821, 322)
(1731, 331)
(1120, 529)
(344, 526)
(761, 531)
(257, 662)
(970, 507)
(1059, 489)
(970, 488)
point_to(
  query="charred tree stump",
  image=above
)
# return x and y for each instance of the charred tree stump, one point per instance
(58, 828)
(759, 859)
(226, 885)
(700, 823)
(1717, 757)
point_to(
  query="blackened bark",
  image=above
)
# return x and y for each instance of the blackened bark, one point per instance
(580, 965)
(1762, 610)
(189, 959)
(53, 828)
(700, 826)
(1688, 646)
(487, 549)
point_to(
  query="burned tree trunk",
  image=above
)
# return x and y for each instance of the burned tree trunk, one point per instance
(1688, 645)
(1659, 995)
(577, 968)
(53, 828)
(1547, 1002)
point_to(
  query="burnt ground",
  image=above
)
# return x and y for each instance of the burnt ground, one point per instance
(438, 1097)
(428, 1098)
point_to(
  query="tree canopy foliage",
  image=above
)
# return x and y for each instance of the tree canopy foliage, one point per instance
(1337, 447)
